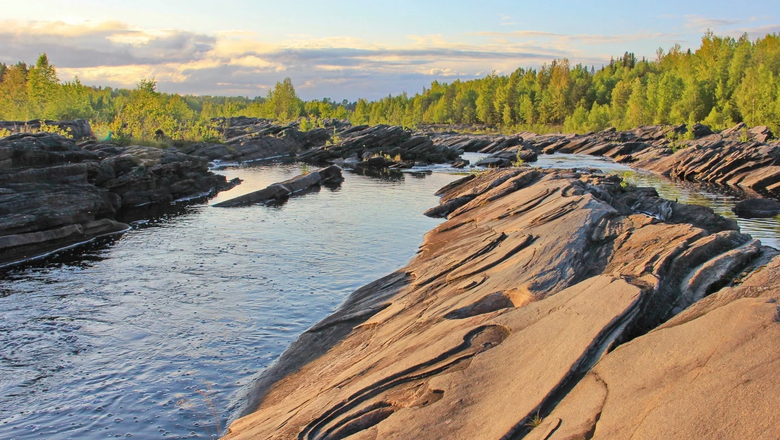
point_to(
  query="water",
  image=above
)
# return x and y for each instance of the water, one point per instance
(152, 334)
(720, 199)
(147, 336)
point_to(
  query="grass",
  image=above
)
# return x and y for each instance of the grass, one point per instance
(676, 140)
(535, 421)
(43, 128)
(518, 161)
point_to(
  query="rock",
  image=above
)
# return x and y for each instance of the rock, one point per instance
(760, 133)
(694, 377)
(282, 190)
(77, 129)
(461, 163)
(494, 162)
(752, 208)
(526, 155)
(734, 130)
(54, 193)
(701, 130)
(375, 162)
(380, 140)
(534, 277)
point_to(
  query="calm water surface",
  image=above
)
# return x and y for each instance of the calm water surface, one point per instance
(152, 335)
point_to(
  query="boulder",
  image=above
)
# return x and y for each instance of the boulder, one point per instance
(760, 133)
(752, 208)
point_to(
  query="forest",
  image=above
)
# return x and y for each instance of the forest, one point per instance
(725, 81)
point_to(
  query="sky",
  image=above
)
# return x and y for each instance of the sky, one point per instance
(349, 49)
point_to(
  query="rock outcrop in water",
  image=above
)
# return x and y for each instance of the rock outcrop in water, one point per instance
(252, 139)
(547, 298)
(281, 191)
(55, 192)
(737, 157)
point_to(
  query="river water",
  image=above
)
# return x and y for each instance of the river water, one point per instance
(152, 334)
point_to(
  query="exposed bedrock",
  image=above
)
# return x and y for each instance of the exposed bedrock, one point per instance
(254, 139)
(398, 143)
(55, 193)
(77, 129)
(737, 157)
(281, 191)
(536, 277)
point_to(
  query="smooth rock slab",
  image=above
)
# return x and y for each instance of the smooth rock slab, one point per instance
(715, 376)
(505, 307)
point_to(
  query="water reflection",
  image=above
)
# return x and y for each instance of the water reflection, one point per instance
(720, 199)
(119, 338)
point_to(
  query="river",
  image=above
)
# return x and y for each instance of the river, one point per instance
(152, 334)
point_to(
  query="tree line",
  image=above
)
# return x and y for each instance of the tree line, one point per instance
(723, 82)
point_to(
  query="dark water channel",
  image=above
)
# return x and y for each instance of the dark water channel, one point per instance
(152, 335)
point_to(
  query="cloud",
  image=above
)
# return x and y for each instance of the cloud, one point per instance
(242, 63)
(104, 44)
(754, 32)
(589, 39)
(702, 23)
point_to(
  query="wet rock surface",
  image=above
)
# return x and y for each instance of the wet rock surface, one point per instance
(757, 208)
(279, 192)
(55, 192)
(512, 310)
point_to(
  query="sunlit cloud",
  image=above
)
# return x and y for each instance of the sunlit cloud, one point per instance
(244, 63)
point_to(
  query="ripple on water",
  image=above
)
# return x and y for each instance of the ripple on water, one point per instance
(146, 334)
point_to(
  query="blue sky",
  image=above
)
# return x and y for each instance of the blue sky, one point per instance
(349, 49)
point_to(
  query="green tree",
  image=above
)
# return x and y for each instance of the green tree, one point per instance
(42, 88)
(14, 102)
(283, 102)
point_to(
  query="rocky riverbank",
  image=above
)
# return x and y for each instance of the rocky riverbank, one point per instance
(742, 157)
(55, 192)
(254, 139)
(739, 157)
(550, 304)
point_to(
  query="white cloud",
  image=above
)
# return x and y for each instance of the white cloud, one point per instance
(701, 23)
(242, 62)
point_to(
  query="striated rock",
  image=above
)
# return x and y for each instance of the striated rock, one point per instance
(508, 158)
(461, 163)
(282, 190)
(396, 142)
(534, 277)
(255, 139)
(54, 193)
(694, 377)
(476, 143)
(760, 133)
(145, 175)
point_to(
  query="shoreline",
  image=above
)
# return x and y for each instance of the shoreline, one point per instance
(465, 278)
